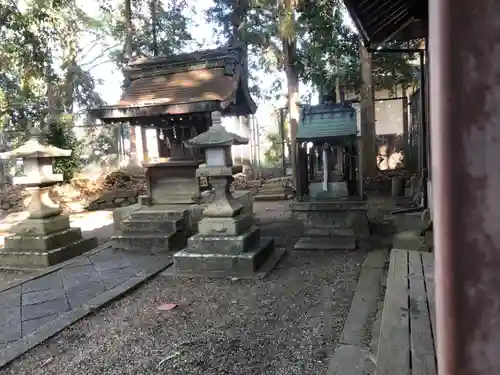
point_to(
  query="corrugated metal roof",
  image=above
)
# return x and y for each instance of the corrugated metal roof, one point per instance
(326, 121)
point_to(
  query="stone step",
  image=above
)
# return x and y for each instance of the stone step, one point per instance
(142, 225)
(272, 191)
(158, 215)
(326, 243)
(149, 242)
(271, 197)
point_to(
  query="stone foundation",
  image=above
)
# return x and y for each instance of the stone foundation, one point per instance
(331, 225)
(195, 211)
(42, 242)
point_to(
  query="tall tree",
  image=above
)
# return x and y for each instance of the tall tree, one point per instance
(269, 28)
(43, 77)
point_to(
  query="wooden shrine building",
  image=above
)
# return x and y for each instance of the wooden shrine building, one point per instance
(177, 94)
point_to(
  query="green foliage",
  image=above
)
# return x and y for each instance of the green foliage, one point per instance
(170, 21)
(274, 154)
(327, 49)
(61, 135)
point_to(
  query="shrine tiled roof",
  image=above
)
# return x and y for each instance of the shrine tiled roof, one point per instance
(202, 81)
(179, 88)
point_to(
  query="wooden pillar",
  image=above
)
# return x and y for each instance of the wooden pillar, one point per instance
(367, 106)
(133, 144)
(144, 142)
(406, 144)
(464, 36)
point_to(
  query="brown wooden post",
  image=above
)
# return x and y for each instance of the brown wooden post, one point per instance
(464, 36)
(406, 145)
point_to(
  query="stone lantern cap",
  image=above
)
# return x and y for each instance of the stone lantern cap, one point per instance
(216, 137)
(33, 149)
(37, 163)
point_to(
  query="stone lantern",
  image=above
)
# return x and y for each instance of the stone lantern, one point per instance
(228, 243)
(45, 237)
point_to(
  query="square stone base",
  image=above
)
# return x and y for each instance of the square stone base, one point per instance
(148, 243)
(206, 243)
(256, 263)
(39, 259)
(42, 242)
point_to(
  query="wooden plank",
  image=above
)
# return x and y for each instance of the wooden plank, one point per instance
(393, 355)
(428, 263)
(423, 359)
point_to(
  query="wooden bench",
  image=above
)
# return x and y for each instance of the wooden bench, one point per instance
(407, 334)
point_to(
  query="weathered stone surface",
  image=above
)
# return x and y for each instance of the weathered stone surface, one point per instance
(173, 182)
(150, 243)
(41, 205)
(227, 226)
(40, 296)
(40, 227)
(336, 224)
(154, 229)
(42, 242)
(240, 264)
(202, 243)
(135, 225)
(88, 281)
(17, 258)
(56, 306)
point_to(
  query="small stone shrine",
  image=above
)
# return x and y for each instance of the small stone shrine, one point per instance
(45, 237)
(330, 201)
(228, 243)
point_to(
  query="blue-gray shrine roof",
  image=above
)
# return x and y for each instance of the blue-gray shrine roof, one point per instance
(327, 121)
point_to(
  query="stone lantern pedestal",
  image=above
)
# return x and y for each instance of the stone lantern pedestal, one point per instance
(228, 243)
(45, 237)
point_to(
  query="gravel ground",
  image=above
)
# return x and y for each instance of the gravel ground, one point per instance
(287, 323)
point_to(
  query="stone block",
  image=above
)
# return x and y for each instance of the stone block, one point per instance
(326, 231)
(40, 227)
(45, 258)
(122, 213)
(43, 242)
(202, 243)
(149, 243)
(230, 226)
(243, 264)
(39, 310)
(160, 213)
(170, 226)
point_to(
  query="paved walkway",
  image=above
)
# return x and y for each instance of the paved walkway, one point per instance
(37, 308)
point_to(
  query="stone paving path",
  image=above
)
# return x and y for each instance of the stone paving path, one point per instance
(36, 309)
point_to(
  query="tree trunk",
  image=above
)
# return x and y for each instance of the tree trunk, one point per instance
(290, 55)
(367, 115)
(153, 27)
(128, 57)
(128, 25)
(337, 89)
